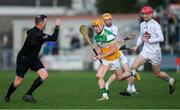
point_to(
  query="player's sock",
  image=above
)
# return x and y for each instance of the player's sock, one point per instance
(35, 85)
(107, 85)
(103, 91)
(104, 95)
(129, 88)
(171, 81)
(133, 89)
(172, 85)
(10, 90)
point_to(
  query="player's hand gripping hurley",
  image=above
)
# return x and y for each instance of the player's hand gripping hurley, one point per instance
(84, 32)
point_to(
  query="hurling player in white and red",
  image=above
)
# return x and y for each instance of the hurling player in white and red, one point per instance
(151, 35)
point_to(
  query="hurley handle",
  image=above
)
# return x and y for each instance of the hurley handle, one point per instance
(97, 54)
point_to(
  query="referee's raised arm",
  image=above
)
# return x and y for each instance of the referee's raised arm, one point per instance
(54, 36)
(41, 24)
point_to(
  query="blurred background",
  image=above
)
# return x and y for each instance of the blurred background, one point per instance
(71, 52)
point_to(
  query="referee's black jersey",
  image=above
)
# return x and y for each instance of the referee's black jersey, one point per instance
(35, 39)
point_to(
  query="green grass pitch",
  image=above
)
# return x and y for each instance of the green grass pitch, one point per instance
(79, 90)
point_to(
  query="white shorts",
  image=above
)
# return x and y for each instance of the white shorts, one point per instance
(153, 58)
(113, 64)
(123, 59)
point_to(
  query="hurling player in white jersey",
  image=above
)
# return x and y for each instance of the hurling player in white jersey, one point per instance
(151, 35)
(107, 17)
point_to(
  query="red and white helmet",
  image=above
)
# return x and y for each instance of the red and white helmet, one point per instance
(147, 10)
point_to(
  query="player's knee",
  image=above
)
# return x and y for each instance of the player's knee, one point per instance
(44, 76)
(99, 77)
(17, 82)
(120, 78)
(156, 74)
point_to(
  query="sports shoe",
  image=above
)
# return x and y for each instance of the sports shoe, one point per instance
(125, 93)
(172, 86)
(7, 99)
(135, 92)
(29, 98)
(103, 98)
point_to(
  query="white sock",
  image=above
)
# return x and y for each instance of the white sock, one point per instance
(133, 89)
(171, 81)
(129, 88)
(107, 85)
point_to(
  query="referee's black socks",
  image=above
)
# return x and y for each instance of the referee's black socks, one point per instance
(35, 85)
(10, 90)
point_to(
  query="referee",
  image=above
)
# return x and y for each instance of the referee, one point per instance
(27, 58)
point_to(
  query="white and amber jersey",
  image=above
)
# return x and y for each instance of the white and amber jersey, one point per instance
(105, 38)
(153, 28)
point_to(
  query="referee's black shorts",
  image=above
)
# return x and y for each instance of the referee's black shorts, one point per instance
(23, 64)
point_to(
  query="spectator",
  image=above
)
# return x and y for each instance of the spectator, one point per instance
(51, 48)
(75, 42)
(6, 51)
